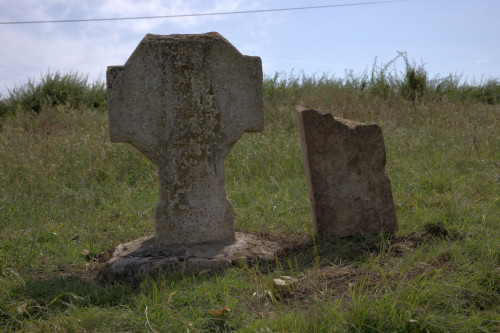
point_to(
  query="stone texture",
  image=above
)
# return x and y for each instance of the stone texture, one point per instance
(142, 257)
(184, 101)
(344, 162)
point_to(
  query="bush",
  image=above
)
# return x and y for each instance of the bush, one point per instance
(384, 81)
(488, 93)
(4, 109)
(414, 84)
(70, 89)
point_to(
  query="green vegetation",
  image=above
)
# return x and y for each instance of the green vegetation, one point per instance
(71, 90)
(68, 197)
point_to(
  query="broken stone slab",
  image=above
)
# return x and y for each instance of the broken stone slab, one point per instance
(344, 163)
(142, 257)
(184, 101)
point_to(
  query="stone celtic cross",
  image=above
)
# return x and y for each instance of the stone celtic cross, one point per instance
(184, 101)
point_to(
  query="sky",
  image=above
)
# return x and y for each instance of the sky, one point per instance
(457, 37)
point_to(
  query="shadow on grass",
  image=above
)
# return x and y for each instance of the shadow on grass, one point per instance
(308, 252)
(36, 298)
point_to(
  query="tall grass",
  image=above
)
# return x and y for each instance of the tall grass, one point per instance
(395, 82)
(68, 197)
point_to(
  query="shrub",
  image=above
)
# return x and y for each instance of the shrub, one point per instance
(414, 84)
(70, 89)
(384, 81)
(3, 107)
(488, 93)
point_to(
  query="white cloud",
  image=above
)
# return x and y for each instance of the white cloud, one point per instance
(31, 56)
(89, 47)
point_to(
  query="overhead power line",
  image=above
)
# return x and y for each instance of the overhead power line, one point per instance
(204, 14)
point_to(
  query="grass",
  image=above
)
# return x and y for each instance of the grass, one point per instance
(68, 197)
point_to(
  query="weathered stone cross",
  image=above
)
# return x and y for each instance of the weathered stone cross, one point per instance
(184, 101)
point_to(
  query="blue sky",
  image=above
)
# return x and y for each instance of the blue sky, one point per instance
(459, 37)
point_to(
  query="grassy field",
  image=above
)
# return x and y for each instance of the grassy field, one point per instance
(68, 197)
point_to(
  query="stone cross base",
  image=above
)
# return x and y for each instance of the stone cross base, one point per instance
(142, 257)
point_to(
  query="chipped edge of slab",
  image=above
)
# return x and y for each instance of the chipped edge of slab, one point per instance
(344, 121)
(141, 257)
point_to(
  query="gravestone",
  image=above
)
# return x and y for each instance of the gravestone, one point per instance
(184, 101)
(344, 162)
